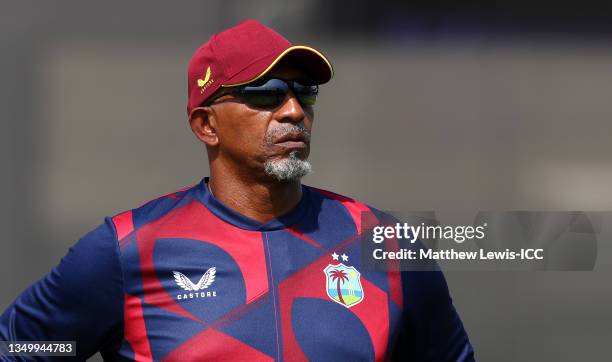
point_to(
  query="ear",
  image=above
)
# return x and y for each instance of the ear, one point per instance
(203, 123)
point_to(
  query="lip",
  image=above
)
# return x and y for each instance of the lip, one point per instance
(291, 144)
(292, 140)
(291, 137)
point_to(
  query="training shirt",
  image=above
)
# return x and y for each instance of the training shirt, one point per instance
(184, 277)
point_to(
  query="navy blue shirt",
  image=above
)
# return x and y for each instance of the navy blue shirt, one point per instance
(184, 277)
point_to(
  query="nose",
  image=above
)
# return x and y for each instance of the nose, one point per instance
(290, 110)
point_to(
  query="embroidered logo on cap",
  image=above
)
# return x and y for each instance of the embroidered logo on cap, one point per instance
(204, 83)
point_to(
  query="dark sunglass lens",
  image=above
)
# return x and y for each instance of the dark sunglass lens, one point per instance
(263, 99)
(307, 94)
(268, 93)
(307, 99)
(272, 84)
(265, 93)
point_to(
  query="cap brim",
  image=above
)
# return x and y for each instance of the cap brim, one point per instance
(313, 62)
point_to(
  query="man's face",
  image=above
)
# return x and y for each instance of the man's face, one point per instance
(272, 140)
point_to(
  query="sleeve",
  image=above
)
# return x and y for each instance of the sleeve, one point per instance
(432, 329)
(81, 299)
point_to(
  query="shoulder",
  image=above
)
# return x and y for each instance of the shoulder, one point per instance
(363, 214)
(332, 196)
(94, 252)
(126, 222)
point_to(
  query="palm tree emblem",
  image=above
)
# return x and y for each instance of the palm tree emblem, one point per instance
(339, 276)
(343, 284)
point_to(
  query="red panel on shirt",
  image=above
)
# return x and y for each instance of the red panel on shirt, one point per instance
(124, 224)
(135, 329)
(212, 345)
(195, 221)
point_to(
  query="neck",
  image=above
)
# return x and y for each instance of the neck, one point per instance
(261, 200)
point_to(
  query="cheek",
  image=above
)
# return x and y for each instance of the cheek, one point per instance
(309, 118)
(251, 134)
(241, 130)
(310, 115)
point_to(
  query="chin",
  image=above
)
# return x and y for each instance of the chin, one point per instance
(289, 168)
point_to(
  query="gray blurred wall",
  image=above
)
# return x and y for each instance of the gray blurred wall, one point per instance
(93, 112)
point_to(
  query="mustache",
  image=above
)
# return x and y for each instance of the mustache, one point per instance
(276, 133)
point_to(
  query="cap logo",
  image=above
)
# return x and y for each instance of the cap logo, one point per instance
(204, 83)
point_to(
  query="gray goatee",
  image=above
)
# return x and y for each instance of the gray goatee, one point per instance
(291, 168)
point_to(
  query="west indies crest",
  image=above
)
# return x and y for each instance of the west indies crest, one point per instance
(343, 283)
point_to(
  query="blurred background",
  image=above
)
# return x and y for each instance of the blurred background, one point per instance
(474, 105)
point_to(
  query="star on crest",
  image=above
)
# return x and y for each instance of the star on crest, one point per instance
(335, 256)
(344, 257)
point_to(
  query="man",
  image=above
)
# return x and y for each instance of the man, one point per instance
(249, 264)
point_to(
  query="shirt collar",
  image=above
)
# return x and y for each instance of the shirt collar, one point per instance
(235, 218)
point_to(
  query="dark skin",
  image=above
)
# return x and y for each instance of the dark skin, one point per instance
(234, 132)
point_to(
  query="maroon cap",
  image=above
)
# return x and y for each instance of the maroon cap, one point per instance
(244, 53)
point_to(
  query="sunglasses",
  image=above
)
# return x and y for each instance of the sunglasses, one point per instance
(271, 93)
